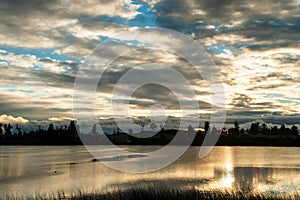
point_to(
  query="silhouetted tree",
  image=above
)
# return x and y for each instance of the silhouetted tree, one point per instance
(236, 127)
(254, 129)
(206, 126)
(282, 130)
(214, 130)
(51, 127)
(235, 130)
(274, 130)
(190, 129)
(7, 129)
(242, 131)
(94, 129)
(19, 132)
(161, 127)
(74, 128)
(224, 131)
(264, 129)
(294, 130)
(153, 126)
(40, 129)
(142, 129)
(142, 124)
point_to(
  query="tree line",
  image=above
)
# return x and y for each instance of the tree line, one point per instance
(70, 134)
(261, 129)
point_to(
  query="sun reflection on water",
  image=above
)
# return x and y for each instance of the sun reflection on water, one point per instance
(226, 173)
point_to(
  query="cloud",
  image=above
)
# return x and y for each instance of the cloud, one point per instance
(255, 45)
(57, 23)
(61, 119)
(13, 120)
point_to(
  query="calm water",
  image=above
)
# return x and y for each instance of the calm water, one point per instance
(31, 169)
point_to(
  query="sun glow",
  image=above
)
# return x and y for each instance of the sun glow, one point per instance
(227, 177)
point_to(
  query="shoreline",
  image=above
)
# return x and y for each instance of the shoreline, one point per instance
(161, 139)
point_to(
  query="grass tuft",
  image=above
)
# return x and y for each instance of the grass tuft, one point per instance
(157, 193)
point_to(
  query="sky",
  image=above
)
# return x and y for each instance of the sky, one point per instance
(254, 44)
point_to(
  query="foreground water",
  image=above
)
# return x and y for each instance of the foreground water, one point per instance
(47, 169)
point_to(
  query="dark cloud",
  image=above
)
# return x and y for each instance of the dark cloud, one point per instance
(156, 94)
(19, 7)
(270, 21)
(269, 87)
(54, 79)
(30, 77)
(261, 116)
(242, 101)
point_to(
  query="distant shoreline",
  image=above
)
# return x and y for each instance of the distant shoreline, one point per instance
(256, 135)
(162, 138)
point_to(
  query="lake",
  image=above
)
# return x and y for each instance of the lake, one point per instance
(47, 169)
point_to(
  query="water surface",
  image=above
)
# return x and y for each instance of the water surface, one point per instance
(47, 169)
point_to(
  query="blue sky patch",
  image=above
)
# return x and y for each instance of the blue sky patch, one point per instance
(4, 61)
(128, 42)
(41, 53)
(145, 18)
(219, 49)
